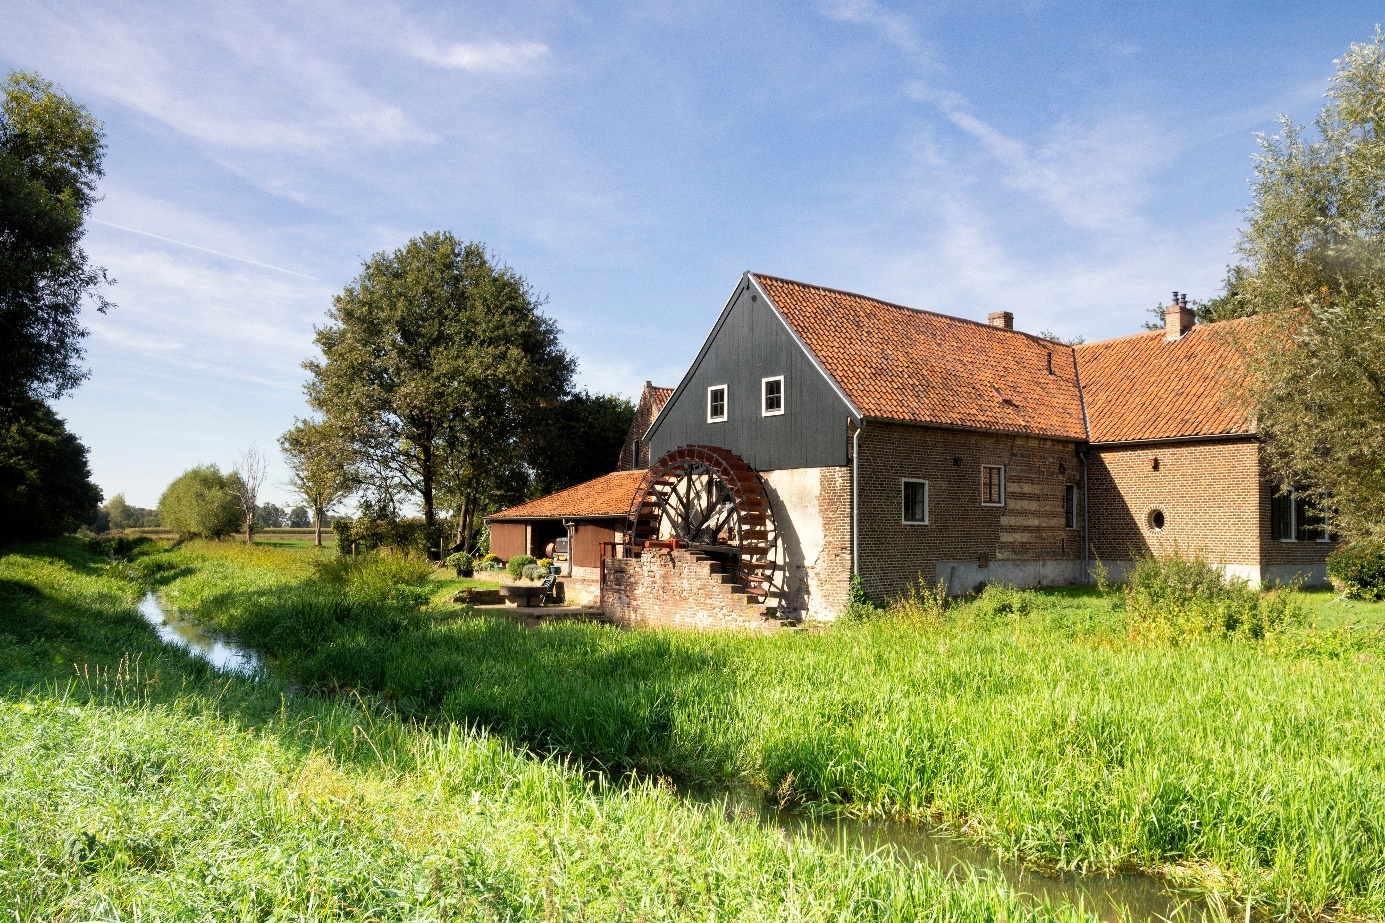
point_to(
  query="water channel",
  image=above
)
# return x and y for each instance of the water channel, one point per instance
(1121, 897)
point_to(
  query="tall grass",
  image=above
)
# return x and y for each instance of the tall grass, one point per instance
(1053, 725)
(141, 785)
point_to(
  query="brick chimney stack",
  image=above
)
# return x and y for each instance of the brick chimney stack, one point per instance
(1002, 319)
(1178, 318)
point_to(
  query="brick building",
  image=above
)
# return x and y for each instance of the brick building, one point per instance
(906, 445)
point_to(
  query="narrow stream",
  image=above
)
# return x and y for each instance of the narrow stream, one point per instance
(192, 638)
(1114, 898)
(1122, 897)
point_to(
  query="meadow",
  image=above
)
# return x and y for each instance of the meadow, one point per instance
(138, 783)
(1027, 721)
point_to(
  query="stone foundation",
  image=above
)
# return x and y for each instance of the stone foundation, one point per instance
(680, 589)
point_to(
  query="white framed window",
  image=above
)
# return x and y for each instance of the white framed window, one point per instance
(716, 404)
(992, 485)
(914, 495)
(1070, 506)
(772, 396)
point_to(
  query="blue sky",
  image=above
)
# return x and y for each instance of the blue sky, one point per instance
(1073, 163)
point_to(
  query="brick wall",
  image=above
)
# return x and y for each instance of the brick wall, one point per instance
(1028, 530)
(1211, 494)
(829, 577)
(680, 589)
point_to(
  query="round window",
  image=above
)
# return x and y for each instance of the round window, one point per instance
(1156, 520)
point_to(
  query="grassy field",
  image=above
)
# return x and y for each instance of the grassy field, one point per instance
(1028, 721)
(136, 783)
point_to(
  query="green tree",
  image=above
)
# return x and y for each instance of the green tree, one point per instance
(320, 469)
(269, 516)
(50, 159)
(581, 440)
(436, 363)
(45, 483)
(300, 518)
(118, 514)
(202, 501)
(1314, 264)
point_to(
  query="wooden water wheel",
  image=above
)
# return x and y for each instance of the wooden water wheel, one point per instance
(709, 500)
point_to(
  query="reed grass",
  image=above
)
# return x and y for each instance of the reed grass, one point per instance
(1044, 724)
(137, 783)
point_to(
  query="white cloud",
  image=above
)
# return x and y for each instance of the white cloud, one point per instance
(481, 57)
(1097, 175)
(896, 27)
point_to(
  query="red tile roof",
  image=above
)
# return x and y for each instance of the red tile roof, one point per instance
(659, 397)
(901, 363)
(1142, 387)
(606, 496)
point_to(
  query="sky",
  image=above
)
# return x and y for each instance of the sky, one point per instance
(1071, 162)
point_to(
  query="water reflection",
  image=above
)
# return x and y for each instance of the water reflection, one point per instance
(190, 637)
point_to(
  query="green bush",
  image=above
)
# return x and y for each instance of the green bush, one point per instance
(534, 572)
(923, 602)
(859, 606)
(1176, 598)
(1358, 570)
(202, 501)
(516, 565)
(462, 563)
(379, 575)
(998, 603)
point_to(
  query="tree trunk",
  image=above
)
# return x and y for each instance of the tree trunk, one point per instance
(317, 524)
(430, 517)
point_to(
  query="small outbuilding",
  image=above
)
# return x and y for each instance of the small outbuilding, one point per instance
(568, 526)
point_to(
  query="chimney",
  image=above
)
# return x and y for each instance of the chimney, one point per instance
(1178, 318)
(1002, 319)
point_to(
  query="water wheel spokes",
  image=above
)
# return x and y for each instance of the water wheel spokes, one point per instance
(709, 499)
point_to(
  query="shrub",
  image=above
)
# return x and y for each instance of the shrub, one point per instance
(200, 501)
(1358, 570)
(491, 559)
(462, 563)
(380, 575)
(533, 572)
(1001, 602)
(1176, 598)
(924, 602)
(859, 605)
(545, 564)
(116, 545)
(516, 565)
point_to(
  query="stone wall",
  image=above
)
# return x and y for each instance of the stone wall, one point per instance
(679, 589)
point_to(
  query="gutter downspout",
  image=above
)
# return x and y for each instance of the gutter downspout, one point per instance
(856, 498)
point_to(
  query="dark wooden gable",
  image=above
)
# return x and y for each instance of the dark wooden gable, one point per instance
(749, 343)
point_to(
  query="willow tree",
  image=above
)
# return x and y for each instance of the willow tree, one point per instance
(436, 361)
(1314, 263)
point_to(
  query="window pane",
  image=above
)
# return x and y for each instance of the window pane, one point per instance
(1070, 506)
(716, 403)
(915, 501)
(993, 484)
(774, 395)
